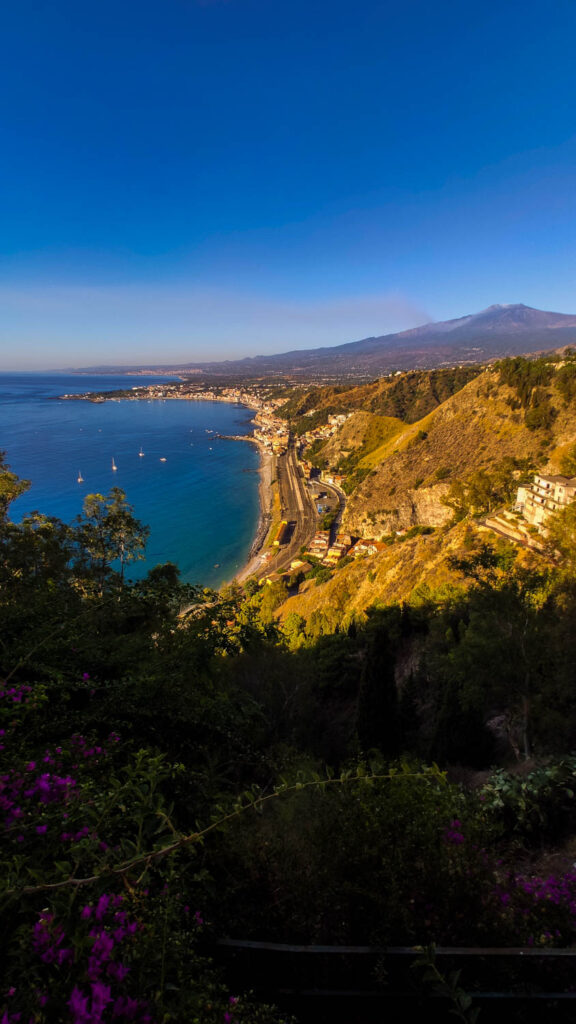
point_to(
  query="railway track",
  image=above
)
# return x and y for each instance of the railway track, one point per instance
(297, 508)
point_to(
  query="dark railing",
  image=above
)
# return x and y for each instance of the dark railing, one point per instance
(369, 984)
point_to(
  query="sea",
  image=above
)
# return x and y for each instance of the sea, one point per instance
(197, 492)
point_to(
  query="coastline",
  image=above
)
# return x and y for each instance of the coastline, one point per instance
(266, 468)
(265, 494)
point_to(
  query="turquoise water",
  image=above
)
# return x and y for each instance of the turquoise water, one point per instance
(201, 504)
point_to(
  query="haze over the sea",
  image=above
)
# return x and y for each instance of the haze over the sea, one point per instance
(201, 503)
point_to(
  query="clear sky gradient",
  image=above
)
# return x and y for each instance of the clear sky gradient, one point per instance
(200, 179)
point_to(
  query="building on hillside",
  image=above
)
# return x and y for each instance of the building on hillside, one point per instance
(319, 544)
(546, 494)
(367, 546)
(335, 553)
(299, 573)
(274, 577)
(336, 479)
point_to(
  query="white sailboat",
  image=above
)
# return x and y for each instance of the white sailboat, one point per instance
(114, 466)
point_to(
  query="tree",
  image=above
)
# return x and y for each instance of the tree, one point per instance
(541, 414)
(377, 717)
(568, 462)
(11, 487)
(109, 532)
(561, 535)
(294, 629)
(502, 658)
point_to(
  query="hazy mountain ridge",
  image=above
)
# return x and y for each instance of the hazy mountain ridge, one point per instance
(495, 332)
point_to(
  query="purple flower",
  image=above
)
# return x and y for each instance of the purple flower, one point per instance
(126, 1007)
(452, 834)
(100, 998)
(102, 906)
(118, 971)
(78, 1003)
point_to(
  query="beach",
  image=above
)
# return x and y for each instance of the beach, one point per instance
(265, 492)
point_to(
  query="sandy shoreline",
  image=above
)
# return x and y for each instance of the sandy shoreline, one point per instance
(265, 494)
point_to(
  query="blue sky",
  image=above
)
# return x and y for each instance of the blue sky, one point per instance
(200, 179)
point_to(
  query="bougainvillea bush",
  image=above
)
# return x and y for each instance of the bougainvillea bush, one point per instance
(97, 924)
(105, 899)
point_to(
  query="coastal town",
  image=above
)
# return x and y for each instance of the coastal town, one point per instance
(301, 505)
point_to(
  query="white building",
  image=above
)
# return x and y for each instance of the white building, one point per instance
(546, 494)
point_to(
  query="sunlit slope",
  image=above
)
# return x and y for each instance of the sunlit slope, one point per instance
(407, 396)
(363, 432)
(411, 472)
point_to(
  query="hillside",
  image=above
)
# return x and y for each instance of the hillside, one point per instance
(461, 460)
(407, 396)
(411, 471)
(389, 576)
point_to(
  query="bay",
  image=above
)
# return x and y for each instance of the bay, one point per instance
(201, 503)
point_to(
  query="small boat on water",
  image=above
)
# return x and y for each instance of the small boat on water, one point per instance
(162, 459)
(114, 466)
(80, 477)
(141, 453)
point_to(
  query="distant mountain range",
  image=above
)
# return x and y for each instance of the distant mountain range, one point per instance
(500, 330)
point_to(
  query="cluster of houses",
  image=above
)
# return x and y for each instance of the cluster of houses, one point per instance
(328, 554)
(331, 554)
(271, 432)
(326, 431)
